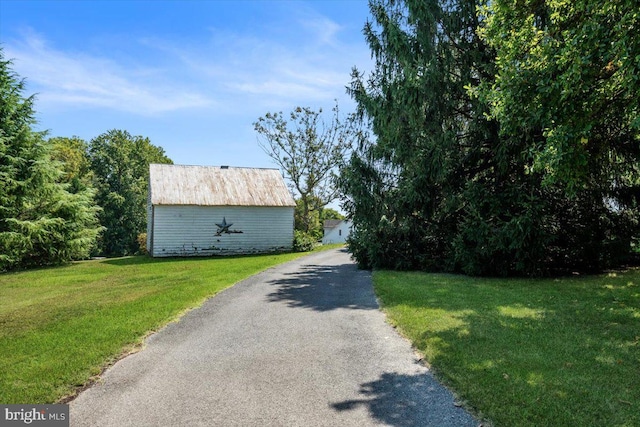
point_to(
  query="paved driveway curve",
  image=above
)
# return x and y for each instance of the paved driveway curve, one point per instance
(301, 344)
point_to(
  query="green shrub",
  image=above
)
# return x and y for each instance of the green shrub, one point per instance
(303, 242)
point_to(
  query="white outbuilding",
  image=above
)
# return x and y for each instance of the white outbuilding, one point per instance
(336, 231)
(221, 210)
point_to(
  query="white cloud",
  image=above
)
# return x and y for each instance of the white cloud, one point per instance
(79, 80)
(307, 63)
(311, 70)
(280, 89)
(324, 30)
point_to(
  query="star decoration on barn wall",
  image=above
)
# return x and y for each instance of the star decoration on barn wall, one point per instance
(223, 227)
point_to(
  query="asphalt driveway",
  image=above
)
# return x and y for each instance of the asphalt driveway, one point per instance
(301, 344)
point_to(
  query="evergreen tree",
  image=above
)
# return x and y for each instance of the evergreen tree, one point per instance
(41, 222)
(405, 189)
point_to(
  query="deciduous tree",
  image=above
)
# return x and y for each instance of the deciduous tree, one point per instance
(73, 154)
(567, 78)
(120, 164)
(567, 83)
(308, 150)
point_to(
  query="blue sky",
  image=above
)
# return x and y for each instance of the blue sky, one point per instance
(191, 75)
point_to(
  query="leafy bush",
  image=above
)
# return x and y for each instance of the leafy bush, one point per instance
(303, 242)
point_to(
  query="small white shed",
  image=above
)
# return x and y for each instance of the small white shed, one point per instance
(336, 231)
(221, 210)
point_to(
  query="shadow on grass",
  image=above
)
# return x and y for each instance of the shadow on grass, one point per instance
(408, 400)
(557, 352)
(324, 288)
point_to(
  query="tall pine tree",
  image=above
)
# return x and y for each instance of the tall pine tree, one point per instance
(404, 190)
(41, 223)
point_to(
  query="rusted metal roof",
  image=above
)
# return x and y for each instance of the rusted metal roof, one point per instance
(217, 186)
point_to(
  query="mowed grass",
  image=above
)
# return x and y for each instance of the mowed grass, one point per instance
(61, 326)
(547, 352)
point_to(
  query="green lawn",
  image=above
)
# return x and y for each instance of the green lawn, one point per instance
(61, 326)
(547, 352)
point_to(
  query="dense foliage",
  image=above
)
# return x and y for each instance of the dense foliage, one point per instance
(310, 222)
(73, 153)
(568, 80)
(43, 219)
(120, 164)
(503, 144)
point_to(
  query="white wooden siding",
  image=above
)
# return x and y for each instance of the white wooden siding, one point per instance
(191, 230)
(337, 234)
(149, 222)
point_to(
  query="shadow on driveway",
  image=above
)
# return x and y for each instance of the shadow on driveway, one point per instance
(325, 287)
(408, 400)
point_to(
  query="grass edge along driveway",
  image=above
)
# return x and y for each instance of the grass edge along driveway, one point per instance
(60, 327)
(527, 352)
